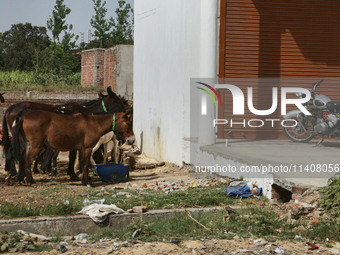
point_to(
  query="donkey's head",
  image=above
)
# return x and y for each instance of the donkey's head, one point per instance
(124, 130)
(113, 103)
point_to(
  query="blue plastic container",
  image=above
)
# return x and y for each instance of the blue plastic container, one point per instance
(112, 172)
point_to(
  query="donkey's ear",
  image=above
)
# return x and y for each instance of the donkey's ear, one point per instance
(110, 92)
(2, 100)
(128, 115)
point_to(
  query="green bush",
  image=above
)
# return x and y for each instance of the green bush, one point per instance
(19, 81)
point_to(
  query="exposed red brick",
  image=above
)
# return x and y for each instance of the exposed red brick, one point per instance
(298, 190)
(275, 195)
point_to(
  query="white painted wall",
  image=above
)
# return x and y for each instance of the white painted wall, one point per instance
(175, 40)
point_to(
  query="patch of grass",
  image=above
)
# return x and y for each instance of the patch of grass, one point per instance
(197, 197)
(53, 191)
(56, 239)
(253, 222)
(58, 209)
(46, 82)
(330, 197)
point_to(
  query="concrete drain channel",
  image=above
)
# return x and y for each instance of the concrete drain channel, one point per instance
(70, 226)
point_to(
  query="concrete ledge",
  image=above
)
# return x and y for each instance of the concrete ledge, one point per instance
(68, 226)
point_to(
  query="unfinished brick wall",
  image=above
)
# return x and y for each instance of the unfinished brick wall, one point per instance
(110, 68)
(92, 68)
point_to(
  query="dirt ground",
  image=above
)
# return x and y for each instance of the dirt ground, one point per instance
(21, 193)
(13, 192)
(213, 246)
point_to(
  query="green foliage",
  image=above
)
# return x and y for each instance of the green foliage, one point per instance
(101, 25)
(49, 81)
(56, 23)
(24, 210)
(330, 197)
(111, 31)
(123, 27)
(20, 45)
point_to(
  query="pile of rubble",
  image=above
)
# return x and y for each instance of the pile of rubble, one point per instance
(170, 186)
(20, 241)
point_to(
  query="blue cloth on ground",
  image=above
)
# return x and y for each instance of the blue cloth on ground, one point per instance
(241, 191)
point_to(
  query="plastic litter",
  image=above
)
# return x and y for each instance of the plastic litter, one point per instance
(193, 184)
(99, 212)
(115, 244)
(81, 236)
(175, 241)
(62, 248)
(247, 190)
(279, 250)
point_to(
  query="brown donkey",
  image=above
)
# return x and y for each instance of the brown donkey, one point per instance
(66, 133)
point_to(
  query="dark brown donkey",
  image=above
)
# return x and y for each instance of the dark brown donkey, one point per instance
(65, 133)
(111, 103)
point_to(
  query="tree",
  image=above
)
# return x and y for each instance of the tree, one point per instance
(20, 43)
(57, 23)
(123, 27)
(101, 25)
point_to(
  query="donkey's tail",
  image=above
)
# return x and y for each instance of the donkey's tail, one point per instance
(6, 143)
(18, 135)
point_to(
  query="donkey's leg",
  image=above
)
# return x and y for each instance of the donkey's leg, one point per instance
(54, 163)
(10, 162)
(21, 171)
(85, 165)
(35, 167)
(115, 148)
(31, 153)
(95, 148)
(76, 163)
(70, 169)
(105, 153)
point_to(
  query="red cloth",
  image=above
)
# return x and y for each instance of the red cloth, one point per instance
(313, 246)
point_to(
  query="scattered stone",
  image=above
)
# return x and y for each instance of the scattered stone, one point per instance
(38, 237)
(129, 211)
(81, 236)
(105, 239)
(143, 185)
(237, 183)
(134, 186)
(260, 242)
(140, 209)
